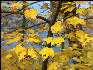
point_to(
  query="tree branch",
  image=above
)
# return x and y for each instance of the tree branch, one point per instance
(36, 25)
(55, 14)
(40, 17)
(26, 28)
(11, 12)
(22, 8)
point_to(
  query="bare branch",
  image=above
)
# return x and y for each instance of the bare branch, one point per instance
(40, 17)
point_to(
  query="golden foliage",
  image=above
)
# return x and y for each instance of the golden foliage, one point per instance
(45, 52)
(30, 30)
(57, 27)
(69, 9)
(19, 5)
(57, 40)
(8, 56)
(31, 13)
(80, 2)
(43, 29)
(75, 20)
(53, 66)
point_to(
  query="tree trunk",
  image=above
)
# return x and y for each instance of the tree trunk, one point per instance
(50, 34)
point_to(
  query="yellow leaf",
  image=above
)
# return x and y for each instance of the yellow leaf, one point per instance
(57, 41)
(80, 2)
(69, 9)
(21, 55)
(45, 52)
(80, 10)
(48, 40)
(53, 66)
(8, 56)
(32, 53)
(30, 31)
(91, 6)
(90, 55)
(33, 40)
(31, 13)
(75, 20)
(19, 5)
(57, 27)
(90, 10)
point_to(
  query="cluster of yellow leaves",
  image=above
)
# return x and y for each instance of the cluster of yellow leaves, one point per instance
(4, 32)
(80, 2)
(43, 29)
(13, 23)
(76, 59)
(68, 3)
(90, 56)
(18, 48)
(75, 20)
(80, 67)
(31, 13)
(90, 10)
(1, 5)
(45, 52)
(19, 5)
(5, 8)
(16, 39)
(92, 44)
(20, 30)
(33, 36)
(67, 6)
(53, 66)
(33, 40)
(57, 41)
(8, 56)
(13, 37)
(82, 11)
(30, 31)
(69, 9)
(64, 6)
(15, 33)
(83, 38)
(74, 45)
(57, 27)
(70, 35)
(64, 57)
(48, 40)
(57, 58)
(81, 34)
(91, 6)
(21, 51)
(32, 53)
